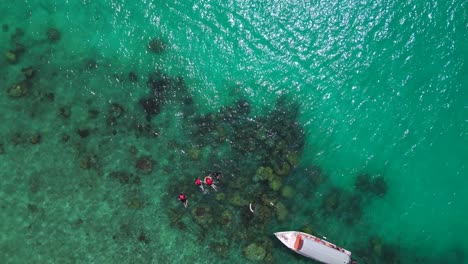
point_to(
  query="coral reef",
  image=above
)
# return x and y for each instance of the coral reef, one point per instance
(35, 138)
(53, 35)
(64, 111)
(157, 46)
(331, 200)
(14, 54)
(133, 77)
(202, 216)
(20, 89)
(237, 200)
(254, 252)
(144, 164)
(125, 177)
(287, 192)
(281, 211)
(374, 185)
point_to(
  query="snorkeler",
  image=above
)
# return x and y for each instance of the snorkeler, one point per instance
(209, 181)
(183, 199)
(198, 182)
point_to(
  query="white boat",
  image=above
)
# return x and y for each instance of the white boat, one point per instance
(314, 247)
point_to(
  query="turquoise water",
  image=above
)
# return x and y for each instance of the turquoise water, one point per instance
(291, 101)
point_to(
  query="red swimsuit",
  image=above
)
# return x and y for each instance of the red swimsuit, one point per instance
(182, 197)
(209, 181)
(198, 182)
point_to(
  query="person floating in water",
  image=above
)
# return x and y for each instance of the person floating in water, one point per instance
(198, 182)
(216, 176)
(183, 199)
(209, 181)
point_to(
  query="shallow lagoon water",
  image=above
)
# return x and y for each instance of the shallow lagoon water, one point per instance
(374, 88)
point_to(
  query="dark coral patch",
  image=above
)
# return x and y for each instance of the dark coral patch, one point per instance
(144, 164)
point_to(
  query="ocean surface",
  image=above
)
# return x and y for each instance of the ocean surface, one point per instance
(343, 119)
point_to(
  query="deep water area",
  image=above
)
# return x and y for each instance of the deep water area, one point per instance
(346, 120)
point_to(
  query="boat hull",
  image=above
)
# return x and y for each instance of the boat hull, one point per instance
(314, 247)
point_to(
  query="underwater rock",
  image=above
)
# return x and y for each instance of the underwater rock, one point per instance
(116, 110)
(144, 164)
(243, 106)
(32, 208)
(220, 134)
(306, 229)
(35, 183)
(65, 111)
(28, 72)
(93, 113)
(254, 252)
(135, 203)
(157, 46)
(53, 35)
(35, 138)
(122, 176)
(133, 77)
(194, 153)
(83, 133)
(205, 124)
(264, 173)
(146, 130)
(18, 139)
(89, 161)
(220, 248)
(19, 89)
(226, 218)
(263, 213)
(282, 170)
(18, 48)
(133, 150)
(11, 57)
(232, 114)
(363, 183)
(143, 238)
(48, 97)
(158, 83)
(237, 200)
(275, 183)
(17, 34)
(65, 138)
(293, 158)
(151, 106)
(91, 64)
(315, 175)
(331, 201)
(375, 245)
(188, 109)
(379, 186)
(281, 211)
(351, 209)
(375, 185)
(220, 196)
(287, 192)
(202, 215)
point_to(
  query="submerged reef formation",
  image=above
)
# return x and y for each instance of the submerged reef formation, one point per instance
(157, 46)
(163, 89)
(258, 154)
(259, 157)
(375, 185)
